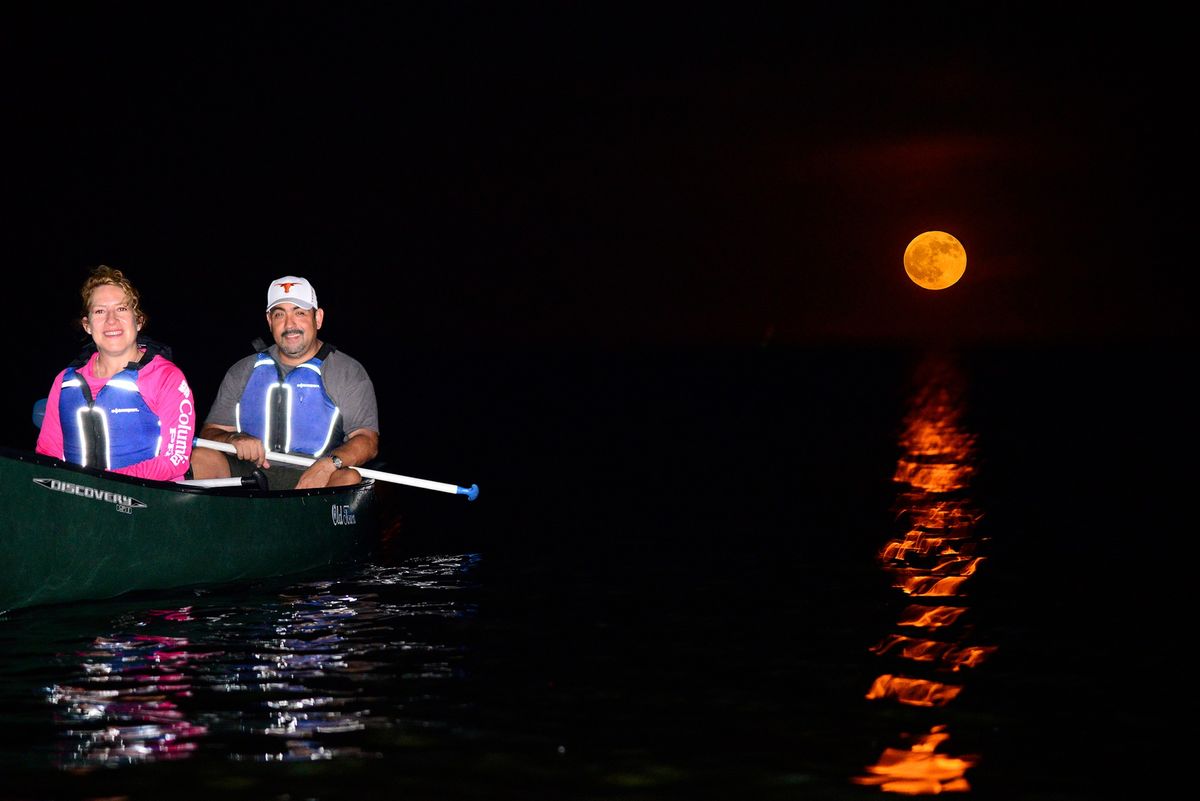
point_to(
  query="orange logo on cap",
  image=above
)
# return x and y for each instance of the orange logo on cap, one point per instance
(287, 286)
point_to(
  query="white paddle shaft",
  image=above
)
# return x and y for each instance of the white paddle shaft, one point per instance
(306, 461)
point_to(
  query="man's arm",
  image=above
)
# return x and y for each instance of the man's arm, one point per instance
(215, 432)
(361, 447)
(249, 448)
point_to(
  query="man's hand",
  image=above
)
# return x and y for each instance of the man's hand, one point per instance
(249, 449)
(317, 475)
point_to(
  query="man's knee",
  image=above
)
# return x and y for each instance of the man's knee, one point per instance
(208, 463)
(344, 478)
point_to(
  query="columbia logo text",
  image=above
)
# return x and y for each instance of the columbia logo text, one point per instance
(181, 432)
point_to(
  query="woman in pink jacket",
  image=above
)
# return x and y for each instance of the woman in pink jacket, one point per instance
(122, 405)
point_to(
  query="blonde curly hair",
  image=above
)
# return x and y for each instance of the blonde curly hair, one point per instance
(109, 275)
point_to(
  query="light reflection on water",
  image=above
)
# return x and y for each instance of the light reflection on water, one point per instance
(299, 674)
(936, 550)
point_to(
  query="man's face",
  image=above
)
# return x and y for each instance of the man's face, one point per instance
(295, 331)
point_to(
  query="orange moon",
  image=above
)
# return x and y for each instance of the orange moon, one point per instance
(935, 260)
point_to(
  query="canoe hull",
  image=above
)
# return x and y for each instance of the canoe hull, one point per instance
(75, 533)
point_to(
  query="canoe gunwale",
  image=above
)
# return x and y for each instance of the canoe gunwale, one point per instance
(30, 457)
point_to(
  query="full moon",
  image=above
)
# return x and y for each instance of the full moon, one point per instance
(935, 260)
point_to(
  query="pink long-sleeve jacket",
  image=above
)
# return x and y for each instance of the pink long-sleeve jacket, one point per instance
(166, 392)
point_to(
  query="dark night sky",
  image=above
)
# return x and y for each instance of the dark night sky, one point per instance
(473, 176)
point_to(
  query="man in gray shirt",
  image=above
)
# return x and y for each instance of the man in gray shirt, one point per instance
(300, 395)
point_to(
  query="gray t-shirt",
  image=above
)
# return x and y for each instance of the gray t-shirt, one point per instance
(345, 379)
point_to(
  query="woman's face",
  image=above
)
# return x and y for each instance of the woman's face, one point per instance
(111, 321)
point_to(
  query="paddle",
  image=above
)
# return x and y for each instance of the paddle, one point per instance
(244, 481)
(471, 492)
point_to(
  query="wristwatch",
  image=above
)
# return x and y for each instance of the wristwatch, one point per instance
(337, 461)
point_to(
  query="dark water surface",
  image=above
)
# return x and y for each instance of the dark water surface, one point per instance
(763, 574)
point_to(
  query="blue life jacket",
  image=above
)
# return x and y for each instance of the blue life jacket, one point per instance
(292, 413)
(116, 428)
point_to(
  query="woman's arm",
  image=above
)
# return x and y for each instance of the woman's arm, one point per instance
(50, 438)
(166, 392)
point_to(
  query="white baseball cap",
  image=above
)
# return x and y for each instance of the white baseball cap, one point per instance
(291, 289)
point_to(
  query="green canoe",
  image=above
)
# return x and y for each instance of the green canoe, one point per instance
(73, 533)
